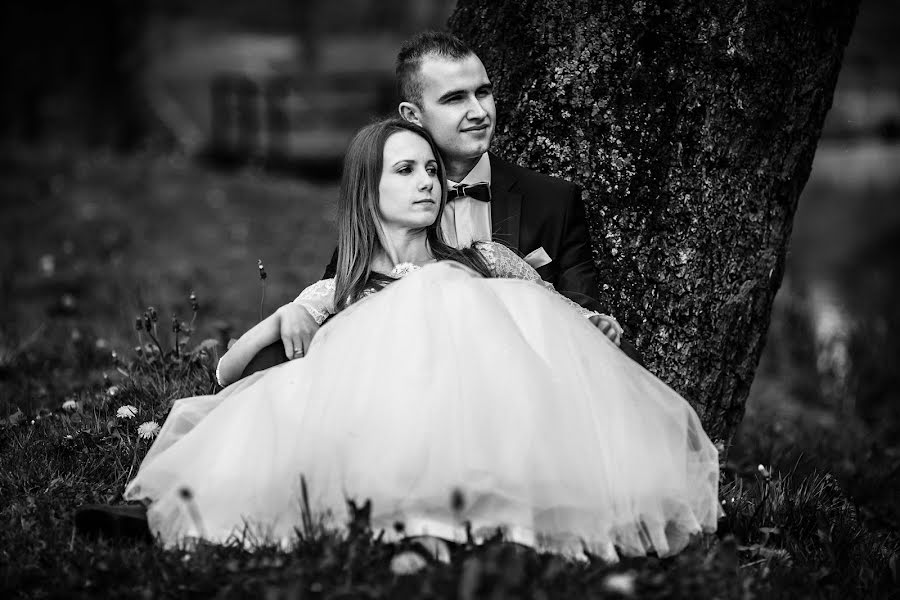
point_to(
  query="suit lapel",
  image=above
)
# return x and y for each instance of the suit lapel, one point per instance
(506, 203)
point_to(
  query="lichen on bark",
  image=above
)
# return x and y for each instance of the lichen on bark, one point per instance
(691, 127)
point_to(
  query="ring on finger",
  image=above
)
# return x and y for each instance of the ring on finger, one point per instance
(298, 352)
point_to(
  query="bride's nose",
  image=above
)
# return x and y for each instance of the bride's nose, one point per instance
(426, 181)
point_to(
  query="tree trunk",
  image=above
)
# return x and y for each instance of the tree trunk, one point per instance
(691, 126)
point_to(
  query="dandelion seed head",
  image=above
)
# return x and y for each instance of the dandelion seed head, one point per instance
(69, 404)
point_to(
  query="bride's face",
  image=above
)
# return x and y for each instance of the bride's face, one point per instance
(409, 193)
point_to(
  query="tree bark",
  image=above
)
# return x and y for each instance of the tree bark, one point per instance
(691, 126)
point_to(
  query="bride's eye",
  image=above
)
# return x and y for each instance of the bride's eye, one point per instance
(431, 170)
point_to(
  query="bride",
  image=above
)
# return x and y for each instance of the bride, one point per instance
(452, 388)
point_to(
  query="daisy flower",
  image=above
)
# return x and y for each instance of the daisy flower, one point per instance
(126, 412)
(148, 430)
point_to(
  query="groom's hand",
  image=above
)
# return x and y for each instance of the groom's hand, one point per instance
(297, 328)
(609, 326)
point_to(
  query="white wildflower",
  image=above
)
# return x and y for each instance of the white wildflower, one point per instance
(623, 583)
(48, 265)
(148, 430)
(407, 563)
(127, 412)
(69, 404)
(113, 390)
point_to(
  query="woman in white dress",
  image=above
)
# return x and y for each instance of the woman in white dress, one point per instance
(465, 376)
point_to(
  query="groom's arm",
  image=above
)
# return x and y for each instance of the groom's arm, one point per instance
(577, 272)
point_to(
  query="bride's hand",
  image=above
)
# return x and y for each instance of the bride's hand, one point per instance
(609, 326)
(297, 328)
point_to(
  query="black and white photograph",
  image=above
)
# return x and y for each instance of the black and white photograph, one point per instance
(450, 299)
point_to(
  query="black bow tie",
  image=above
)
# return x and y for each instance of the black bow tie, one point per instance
(479, 191)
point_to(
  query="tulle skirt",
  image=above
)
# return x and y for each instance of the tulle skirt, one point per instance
(453, 403)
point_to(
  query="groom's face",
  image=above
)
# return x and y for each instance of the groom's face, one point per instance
(457, 106)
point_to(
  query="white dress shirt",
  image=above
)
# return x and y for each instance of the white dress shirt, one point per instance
(466, 220)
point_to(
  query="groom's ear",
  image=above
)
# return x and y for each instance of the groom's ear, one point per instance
(410, 112)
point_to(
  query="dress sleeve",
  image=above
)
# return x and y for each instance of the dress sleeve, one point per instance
(503, 262)
(318, 300)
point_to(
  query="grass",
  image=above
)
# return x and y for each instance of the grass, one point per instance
(810, 494)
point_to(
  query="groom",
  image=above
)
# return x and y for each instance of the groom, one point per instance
(444, 88)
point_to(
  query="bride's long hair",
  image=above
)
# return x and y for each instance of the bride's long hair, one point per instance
(359, 217)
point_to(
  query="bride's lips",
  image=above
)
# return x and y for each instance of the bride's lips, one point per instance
(429, 201)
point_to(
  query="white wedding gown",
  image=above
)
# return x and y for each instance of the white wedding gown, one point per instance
(499, 391)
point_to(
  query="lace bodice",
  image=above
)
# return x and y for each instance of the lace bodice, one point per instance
(318, 299)
(504, 263)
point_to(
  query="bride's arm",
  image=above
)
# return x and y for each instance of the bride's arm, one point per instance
(503, 262)
(318, 300)
(294, 324)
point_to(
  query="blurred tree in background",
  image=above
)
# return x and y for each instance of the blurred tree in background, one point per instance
(692, 127)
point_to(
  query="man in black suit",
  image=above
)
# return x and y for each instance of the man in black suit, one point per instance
(444, 88)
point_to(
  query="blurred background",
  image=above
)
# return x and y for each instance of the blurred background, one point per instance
(152, 149)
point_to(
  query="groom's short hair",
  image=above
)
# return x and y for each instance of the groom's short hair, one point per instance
(414, 50)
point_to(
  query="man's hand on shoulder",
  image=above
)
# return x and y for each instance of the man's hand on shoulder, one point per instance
(297, 329)
(609, 326)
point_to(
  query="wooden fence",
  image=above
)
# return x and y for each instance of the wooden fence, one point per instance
(293, 119)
